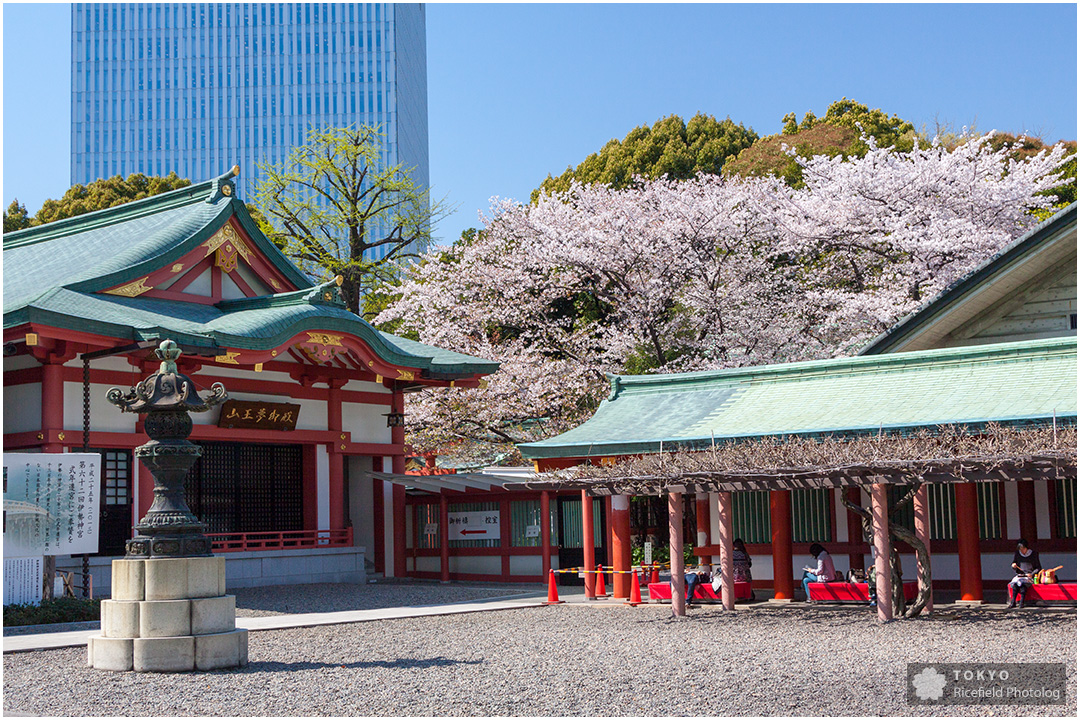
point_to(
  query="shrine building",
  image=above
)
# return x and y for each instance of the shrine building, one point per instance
(316, 392)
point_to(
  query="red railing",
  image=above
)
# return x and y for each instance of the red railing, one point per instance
(285, 540)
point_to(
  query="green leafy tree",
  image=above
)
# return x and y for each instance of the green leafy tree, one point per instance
(98, 195)
(839, 132)
(334, 206)
(16, 217)
(670, 147)
(106, 193)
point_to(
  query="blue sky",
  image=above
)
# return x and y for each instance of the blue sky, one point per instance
(519, 91)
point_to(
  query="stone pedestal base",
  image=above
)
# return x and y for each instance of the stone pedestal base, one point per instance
(168, 615)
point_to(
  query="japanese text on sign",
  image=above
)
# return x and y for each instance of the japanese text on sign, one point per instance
(51, 503)
(473, 525)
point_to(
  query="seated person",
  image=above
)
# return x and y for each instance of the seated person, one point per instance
(824, 571)
(742, 562)
(694, 579)
(1026, 564)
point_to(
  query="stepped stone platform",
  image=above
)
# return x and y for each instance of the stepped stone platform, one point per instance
(168, 615)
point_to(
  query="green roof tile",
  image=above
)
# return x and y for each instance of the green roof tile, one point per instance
(1007, 382)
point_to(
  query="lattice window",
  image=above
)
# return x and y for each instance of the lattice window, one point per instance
(116, 474)
(423, 516)
(572, 523)
(238, 487)
(526, 513)
(811, 516)
(750, 519)
(1065, 490)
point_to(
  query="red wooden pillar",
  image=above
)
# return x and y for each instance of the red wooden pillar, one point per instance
(922, 529)
(397, 436)
(780, 517)
(620, 545)
(336, 460)
(879, 513)
(678, 570)
(727, 552)
(52, 406)
(1025, 505)
(400, 564)
(587, 546)
(444, 537)
(378, 505)
(545, 535)
(967, 542)
(854, 528)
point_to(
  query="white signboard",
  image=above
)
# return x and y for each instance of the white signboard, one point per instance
(22, 580)
(431, 528)
(474, 525)
(648, 553)
(51, 503)
(532, 531)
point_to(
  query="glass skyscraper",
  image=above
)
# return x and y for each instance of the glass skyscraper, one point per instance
(197, 88)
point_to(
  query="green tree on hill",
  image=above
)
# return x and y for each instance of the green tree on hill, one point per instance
(839, 132)
(670, 147)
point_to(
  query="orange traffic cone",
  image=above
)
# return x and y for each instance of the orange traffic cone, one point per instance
(601, 591)
(655, 574)
(635, 592)
(553, 593)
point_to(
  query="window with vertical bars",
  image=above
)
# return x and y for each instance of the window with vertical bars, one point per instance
(989, 510)
(523, 515)
(424, 517)
(750, 519)
(1065, 490)
(811, 516)
(572, 523)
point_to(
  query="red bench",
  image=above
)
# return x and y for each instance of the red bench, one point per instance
(853, 592)
(1049, 592)
(662, 591)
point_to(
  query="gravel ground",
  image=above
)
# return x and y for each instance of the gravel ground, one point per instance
(335, 597)
(569, 660)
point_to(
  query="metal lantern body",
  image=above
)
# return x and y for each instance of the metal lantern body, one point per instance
(169, 528)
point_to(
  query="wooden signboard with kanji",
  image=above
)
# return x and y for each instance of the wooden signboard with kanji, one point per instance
(258, 415)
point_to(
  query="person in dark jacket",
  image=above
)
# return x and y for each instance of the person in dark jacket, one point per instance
(1026, 564)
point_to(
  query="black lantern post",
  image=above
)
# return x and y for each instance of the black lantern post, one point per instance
(169, 528)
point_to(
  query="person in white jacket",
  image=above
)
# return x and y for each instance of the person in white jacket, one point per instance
(825, 571)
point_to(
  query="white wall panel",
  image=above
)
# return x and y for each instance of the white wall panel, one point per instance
(104, 416)
(367, 423)
(322, 470)
(22, 408)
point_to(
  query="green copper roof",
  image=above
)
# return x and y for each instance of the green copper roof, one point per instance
(1007, 382)
(53, 275)
(1023, 246)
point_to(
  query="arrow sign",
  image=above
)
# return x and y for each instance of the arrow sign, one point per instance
(474, 525)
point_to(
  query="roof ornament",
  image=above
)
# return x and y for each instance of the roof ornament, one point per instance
(327, 293)
(222, 186)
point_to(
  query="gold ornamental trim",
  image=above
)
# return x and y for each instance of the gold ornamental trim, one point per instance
(229, 358)
(406, 375)
(325, 339)
(227, 235)
(132, 289)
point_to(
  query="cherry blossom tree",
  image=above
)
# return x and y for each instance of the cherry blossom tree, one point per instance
(705, 273)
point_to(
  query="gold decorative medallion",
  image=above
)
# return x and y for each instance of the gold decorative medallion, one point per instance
(60, 436)
(273, 353)
(132, 289)
(378, 378)
(177, 267)
(31, 339)
(258, 367)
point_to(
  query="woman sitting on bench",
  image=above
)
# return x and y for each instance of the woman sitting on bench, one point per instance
(1026, 564)
(824, 572)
